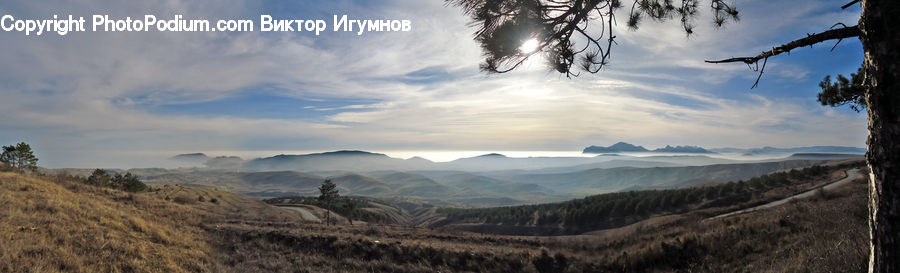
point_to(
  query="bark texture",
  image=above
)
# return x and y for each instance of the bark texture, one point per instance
(880, 25)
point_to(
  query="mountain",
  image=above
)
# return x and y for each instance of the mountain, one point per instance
(225, 162)
(683, 149)
(814, 156)
(464, 180)
(197, 158)
(331, 163)
(626, 147)
(613, 210)
(597, 181)
(457, 188)
(339, 160)
(409, 184)
(812, 149)
(615, 148)
(419, 160)
(496, 162)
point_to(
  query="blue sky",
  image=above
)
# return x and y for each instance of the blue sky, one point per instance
(121, 99)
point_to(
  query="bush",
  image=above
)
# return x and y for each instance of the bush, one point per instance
(127, 182)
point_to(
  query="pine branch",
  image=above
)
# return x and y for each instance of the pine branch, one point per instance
(849, 4)
(839, 33)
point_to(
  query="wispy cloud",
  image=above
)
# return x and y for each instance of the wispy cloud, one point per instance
(80, 98)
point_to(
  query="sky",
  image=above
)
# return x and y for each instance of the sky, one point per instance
(100, 99)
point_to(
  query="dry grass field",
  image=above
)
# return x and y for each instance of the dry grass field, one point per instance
(58, 224)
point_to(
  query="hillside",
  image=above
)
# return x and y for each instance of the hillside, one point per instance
(338, 160)
(59, 224)
(618, 209)
(596, 181)
(458, 187)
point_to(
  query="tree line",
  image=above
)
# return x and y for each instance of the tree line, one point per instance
(621, 208)
(127, 182)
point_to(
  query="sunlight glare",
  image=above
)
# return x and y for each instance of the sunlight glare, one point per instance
(529, 46)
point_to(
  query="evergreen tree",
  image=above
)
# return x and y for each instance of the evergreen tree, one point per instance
(350, 206)
(127, 182)
(131, 183)
(99, 178)
(19, 157)
(328, 194)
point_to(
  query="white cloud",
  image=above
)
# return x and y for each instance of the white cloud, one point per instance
(80, 93)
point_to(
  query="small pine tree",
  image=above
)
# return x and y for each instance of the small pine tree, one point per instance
(329, 194)
(131, 183)
(350, 206)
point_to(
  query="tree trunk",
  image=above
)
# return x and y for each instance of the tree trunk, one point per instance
(880, 25)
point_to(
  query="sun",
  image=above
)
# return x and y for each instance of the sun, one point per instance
(529, 46)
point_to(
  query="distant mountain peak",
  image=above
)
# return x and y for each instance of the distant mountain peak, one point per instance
(418, 159)
(191, 156)
(492, 155)
(683, 149)
(334, 153)
(620, 147)
(349, 152)
(615, 148)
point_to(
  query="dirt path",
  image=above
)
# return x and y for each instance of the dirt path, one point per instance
(852, 174)
(308, 216)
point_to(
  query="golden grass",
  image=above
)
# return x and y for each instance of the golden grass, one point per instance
(69, 227)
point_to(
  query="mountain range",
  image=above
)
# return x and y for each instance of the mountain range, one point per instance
(487, 180)
(623, 147)
(812, 149)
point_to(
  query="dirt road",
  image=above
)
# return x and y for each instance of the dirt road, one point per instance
(852, 174)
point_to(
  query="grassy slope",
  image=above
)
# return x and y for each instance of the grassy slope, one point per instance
(49, 227)
(58, 225)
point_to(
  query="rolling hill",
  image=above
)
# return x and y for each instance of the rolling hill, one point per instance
(626, 178)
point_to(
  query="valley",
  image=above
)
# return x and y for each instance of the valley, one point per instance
(181, 228)
(483, 181)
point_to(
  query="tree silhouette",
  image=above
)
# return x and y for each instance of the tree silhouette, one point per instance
(350, 206)
(844, 91)
(19, 157)
(328, 194)
(127, 182)
(99, 178)
(552, 27)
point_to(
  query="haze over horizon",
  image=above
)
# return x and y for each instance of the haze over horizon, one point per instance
(97, 99)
